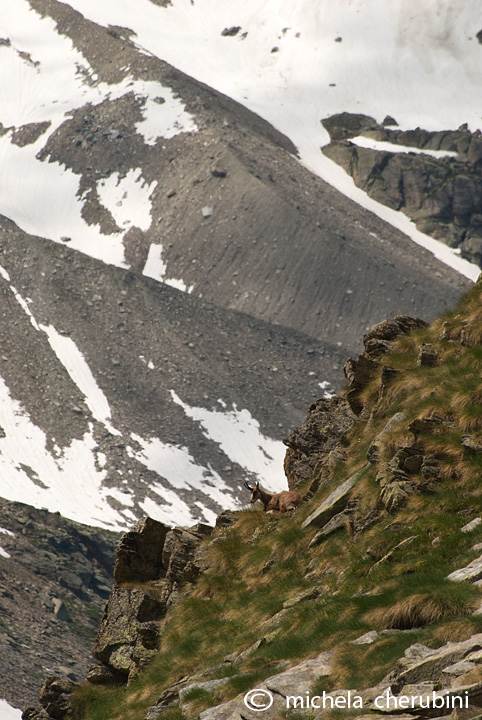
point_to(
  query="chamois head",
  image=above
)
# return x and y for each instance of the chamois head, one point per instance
(255, 495)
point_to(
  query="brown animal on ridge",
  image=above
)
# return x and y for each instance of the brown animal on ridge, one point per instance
(274, 502)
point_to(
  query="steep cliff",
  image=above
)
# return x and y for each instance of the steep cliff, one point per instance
(433, 177)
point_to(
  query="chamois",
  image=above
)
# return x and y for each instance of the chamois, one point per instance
(274, 502)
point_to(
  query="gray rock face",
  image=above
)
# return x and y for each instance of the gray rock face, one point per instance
(53, 589)
(367, 639)
(55, 697)
(139, 554)
(360, 371)
(472, 525)
(320, 437)
(337, 522)
(427, 356)
(442, 195)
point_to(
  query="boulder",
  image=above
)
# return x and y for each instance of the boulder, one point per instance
(395, 494)
(427, 356)
(367, 639)
(55, 697)
(472, 525)
(472, 572)
(338, 522)
(60, 610)
(100, 674)
(335, 502)
(469, 442)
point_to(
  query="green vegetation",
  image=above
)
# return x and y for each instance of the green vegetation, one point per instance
(392, 574)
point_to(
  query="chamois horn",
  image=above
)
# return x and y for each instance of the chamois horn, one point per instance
(248, 487)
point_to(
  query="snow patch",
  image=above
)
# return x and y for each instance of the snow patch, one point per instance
(66, 481)
(75, 364)
(164, 114)
(42, 199)
(382, 146)
(43, 79)
(238, 435)
(328, 391)
(7, 532)
(171, 511)
(398, 58)
(177, 466)
(7, 712)
(128, 199)
(156, 269)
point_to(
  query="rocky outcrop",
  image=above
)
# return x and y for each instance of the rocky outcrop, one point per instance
(318, 441)
(377, 341)
(442, 195)
(154, 563)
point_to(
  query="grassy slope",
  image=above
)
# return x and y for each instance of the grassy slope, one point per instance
(224, 613)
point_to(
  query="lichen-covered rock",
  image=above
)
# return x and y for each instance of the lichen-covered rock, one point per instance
(55, 697)
(472, 572)
(335, 502)
(338, 522)
(35, 713)
(101, 674)
(120, 632)
(426, 664)
(162, 561)
(297, 680)
(469, 442)
(179, 553)
(395, 494)
(427, 356)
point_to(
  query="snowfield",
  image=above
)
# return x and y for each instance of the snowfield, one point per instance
(295, 63)
(43, 79)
